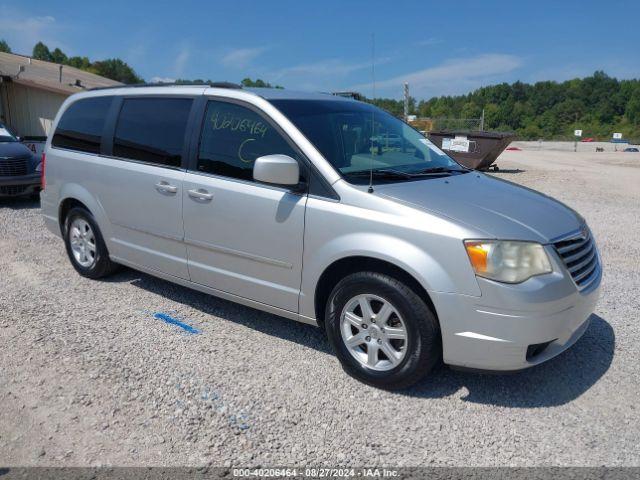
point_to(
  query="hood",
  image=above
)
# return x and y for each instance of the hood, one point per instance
(501, 209)
(14, 150)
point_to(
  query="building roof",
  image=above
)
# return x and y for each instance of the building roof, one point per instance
(46, 75)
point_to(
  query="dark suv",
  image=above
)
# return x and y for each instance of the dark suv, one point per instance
(19, 169)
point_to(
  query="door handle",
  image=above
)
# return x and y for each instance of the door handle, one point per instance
(164, 187)
(200, 194)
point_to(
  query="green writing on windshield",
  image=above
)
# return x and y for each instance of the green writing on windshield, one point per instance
(223, 121)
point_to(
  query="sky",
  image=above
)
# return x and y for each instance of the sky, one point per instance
(439, 48)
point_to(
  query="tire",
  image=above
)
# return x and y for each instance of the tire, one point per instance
(97, 263)
(415, 355)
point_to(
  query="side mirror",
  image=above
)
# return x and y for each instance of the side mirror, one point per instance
(277, 170)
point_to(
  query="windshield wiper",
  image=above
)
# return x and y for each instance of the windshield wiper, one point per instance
(380, 173)
(440, 171)
(391, 174)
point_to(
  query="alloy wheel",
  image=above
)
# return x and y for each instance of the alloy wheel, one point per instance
(374, 332)
(83, 242)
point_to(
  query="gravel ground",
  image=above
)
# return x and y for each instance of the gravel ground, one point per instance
(90, 377)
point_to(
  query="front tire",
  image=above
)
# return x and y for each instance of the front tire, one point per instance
(85, 246)
(383, 333)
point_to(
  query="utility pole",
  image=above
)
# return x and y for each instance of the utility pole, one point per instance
(406, 101)
(575, 143)
(482, 121)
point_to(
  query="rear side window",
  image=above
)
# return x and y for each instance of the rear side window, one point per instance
(233, 137)
(80, 127)
(152, 130)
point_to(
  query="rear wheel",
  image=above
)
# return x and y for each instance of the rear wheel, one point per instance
(383, 333)
(85, 246)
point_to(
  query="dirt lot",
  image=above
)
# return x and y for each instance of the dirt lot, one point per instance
(90, 377)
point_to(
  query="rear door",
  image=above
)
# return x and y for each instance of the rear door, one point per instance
(141, 190)
(243, 237)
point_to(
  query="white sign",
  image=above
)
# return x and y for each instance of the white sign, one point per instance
(617, 136)
(433, 147)
(446, 144)
(578, 133)
(459, 144)
(36, 147)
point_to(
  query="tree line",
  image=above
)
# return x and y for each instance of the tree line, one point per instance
(112, 68)
(245, 82)
(598, 105)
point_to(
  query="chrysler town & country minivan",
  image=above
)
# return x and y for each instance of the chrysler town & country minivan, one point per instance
(286, 202)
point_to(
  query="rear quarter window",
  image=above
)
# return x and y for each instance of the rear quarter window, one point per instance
(80, 127)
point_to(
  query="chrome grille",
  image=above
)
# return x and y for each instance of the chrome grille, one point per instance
(580, 257)
(12, 167)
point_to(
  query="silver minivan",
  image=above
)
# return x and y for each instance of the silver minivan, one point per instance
(297, 204)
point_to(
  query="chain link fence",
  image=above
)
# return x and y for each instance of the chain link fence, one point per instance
(472, 124)
(447, 124)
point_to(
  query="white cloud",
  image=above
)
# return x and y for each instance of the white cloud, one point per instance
(428, 42)
(241, 57)
(162, 80)
(180, 63)
(22, 31)
(328, 67)
(454, 76)
(324, 75)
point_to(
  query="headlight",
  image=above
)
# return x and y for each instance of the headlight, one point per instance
(507, 261)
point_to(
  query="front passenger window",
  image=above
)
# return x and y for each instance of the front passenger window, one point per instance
(233, 137)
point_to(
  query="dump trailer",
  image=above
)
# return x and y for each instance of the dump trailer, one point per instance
(477, 150)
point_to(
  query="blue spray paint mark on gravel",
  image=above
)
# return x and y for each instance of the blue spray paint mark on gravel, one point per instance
(173, 321)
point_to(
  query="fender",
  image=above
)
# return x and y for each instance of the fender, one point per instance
(418, 263)
(78, 192)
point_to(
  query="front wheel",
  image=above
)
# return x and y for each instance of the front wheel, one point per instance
(382, 332)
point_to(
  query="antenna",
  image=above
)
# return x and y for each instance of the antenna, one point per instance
(373, 122)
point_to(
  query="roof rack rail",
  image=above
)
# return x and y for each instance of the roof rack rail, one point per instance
(173, 84)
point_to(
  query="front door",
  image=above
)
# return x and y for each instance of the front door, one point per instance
(242, 237)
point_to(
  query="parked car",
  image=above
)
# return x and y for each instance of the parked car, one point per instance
(274, 199)
(631, 149)
(19, 173)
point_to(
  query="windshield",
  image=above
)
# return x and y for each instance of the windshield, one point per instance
(357, 137)
(6, 135)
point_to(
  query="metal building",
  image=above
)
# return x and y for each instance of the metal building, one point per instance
(31, 92)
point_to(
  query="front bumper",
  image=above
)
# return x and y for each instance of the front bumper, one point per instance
(496, 330)
(19, 185)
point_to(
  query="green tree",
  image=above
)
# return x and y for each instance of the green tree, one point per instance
(440, 109)
(632, 111)
(4, 46)
(58, 56)
(82, 63)
(470, 110)
(41, 52)
(258, 83)
(491, 116)
(117, 70)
